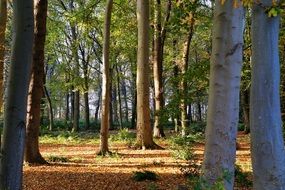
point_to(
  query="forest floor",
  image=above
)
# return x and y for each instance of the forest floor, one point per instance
(74, 165)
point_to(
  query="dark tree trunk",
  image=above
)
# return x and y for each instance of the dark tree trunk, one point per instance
(50, 109)
(124, 92)
(32, 152)
(86, 111)
(119, 97)
(67, 107)
(245, 102)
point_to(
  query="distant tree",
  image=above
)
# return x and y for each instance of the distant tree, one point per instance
(36, 88)
(106, 91)
(267, 145)
(12, 148)
(223, 110)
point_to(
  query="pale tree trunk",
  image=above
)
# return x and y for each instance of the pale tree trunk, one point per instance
(12, 148)
(105, 115)
(267, 146)
(3, 22)
(144, 131)
(32, 152)
(223, 110)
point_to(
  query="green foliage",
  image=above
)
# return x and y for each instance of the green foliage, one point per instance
(124, 135)
(53, 158)
(144, 175)
(152, 186)
(66, 137)
(242, 178)
(182, 148)
(202, 184)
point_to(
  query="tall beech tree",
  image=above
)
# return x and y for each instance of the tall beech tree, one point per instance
(36, 88)
(12, 147)
(106, 91)
(223, 110)
(267, 146)
(144, 130)
(3, 23)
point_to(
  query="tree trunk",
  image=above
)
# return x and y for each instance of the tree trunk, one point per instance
(72, 107)
(86, 96)
(50, 109)
(134, 103)
(183, 84)
(144, 131)
(76, 115)
(245, 102)
(223, 110)
(98, 105)
(86, 110)
(157, 72)
(267, 146)
(3, 22)
(12, 147)
(119, 98)
(67, 96)
(124, 92)
(105, 122)
(32, 152)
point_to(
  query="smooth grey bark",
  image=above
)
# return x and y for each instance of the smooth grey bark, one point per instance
(105, 115)
(223, 110)
(267, 146)
(12, 148)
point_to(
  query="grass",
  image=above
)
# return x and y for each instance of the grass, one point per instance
(61, 137)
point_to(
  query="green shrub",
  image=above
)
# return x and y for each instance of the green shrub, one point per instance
(145, 175)
(197, 127)
(124, 135)
(242, 178)
(183, 148)
(202, 184)
(57, 159)
(151, 186)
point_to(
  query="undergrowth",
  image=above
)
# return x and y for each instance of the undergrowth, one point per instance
(144, 175)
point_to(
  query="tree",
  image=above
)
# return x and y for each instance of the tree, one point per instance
(144, 131)
(12, 148)
(106, 93)
(267, 146)
(223, 110)
(159, 39)
(3, 22)
(36, 88)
